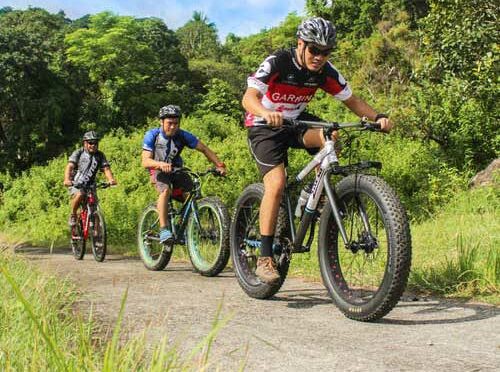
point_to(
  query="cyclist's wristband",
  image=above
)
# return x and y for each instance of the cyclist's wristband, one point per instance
(381, 116)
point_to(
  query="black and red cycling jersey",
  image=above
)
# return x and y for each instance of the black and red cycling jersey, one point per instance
(287, 87)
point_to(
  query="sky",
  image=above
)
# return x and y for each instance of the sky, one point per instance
(241, 17)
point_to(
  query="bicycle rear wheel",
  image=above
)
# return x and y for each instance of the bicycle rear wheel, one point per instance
(154, 255)
(98, 237)
(366, 277)
(245, 243)
(208, 237)
(77, 239)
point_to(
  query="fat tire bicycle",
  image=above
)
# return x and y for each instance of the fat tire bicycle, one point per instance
(364, 240)
(201, 223)
(90, 225)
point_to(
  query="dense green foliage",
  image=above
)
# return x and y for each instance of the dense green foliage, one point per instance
(431, 64)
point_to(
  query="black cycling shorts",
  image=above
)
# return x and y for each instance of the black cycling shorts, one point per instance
(177, 180)
(269, 146)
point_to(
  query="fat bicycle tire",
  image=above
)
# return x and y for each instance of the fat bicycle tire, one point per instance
(365, 284)
(77, 239)
(208, 236)
(155, 256)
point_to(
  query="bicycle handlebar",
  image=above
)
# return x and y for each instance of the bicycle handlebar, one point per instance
(99, 185)
(363, 124)
(212, 170)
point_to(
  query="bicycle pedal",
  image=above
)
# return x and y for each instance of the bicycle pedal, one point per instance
(301, 249)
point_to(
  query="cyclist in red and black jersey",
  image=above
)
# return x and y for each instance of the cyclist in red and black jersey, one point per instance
(281, 89)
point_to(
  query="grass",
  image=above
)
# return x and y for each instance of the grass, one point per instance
(40, 331)
(457, 253)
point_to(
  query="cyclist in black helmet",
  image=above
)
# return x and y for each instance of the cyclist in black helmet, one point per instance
(281, 88)
(161, 151)
(82, 168)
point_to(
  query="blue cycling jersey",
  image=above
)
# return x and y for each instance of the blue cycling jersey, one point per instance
(168, 148)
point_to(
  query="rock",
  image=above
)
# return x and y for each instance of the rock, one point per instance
(487, 176)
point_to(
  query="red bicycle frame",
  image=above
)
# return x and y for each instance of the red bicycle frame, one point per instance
(88, 205)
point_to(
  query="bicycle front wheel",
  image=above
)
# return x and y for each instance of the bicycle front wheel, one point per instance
(154, 255)
(77, 239)
(366, 277)
(98, 237)
(208, 236)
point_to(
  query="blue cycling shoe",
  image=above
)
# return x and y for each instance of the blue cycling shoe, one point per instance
(166, 236)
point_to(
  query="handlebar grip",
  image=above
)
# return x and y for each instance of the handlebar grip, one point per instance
(286, 122)
(373, 126)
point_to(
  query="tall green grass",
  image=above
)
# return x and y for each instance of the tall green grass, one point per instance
(39, 331)
(457, 253)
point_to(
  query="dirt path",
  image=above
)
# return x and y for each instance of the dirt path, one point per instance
(300, 329)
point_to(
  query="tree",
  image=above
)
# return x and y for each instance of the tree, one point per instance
(36, 102)
(221, 98)
(454, 95)
(254, 48)
(358, 19)
(130, 61)
(198, 38)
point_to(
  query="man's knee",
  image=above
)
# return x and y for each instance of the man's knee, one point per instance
(274, 184)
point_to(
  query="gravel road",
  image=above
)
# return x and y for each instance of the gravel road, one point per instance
(299, 329)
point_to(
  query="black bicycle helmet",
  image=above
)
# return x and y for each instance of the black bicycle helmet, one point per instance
(91, 136)
(170, 111)
(318, 31)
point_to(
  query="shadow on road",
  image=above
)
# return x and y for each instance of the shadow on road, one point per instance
(441, 311)
(303, 298)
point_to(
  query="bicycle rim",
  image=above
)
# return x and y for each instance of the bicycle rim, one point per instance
(360, 273)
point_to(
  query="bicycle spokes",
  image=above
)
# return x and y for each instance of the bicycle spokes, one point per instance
(364, 259)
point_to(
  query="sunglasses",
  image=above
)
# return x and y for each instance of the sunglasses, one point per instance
(92, 142)
(315, 51)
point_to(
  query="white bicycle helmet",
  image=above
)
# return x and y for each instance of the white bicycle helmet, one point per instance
(318, 31)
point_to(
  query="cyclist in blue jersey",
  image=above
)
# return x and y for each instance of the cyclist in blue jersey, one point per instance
(281, 89)
(161, 152)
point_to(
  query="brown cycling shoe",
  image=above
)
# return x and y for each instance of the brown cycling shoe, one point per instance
(266, 270)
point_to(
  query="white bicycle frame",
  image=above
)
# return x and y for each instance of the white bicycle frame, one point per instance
(327, 160)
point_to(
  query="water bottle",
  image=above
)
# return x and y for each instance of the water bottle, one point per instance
(304, 195)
